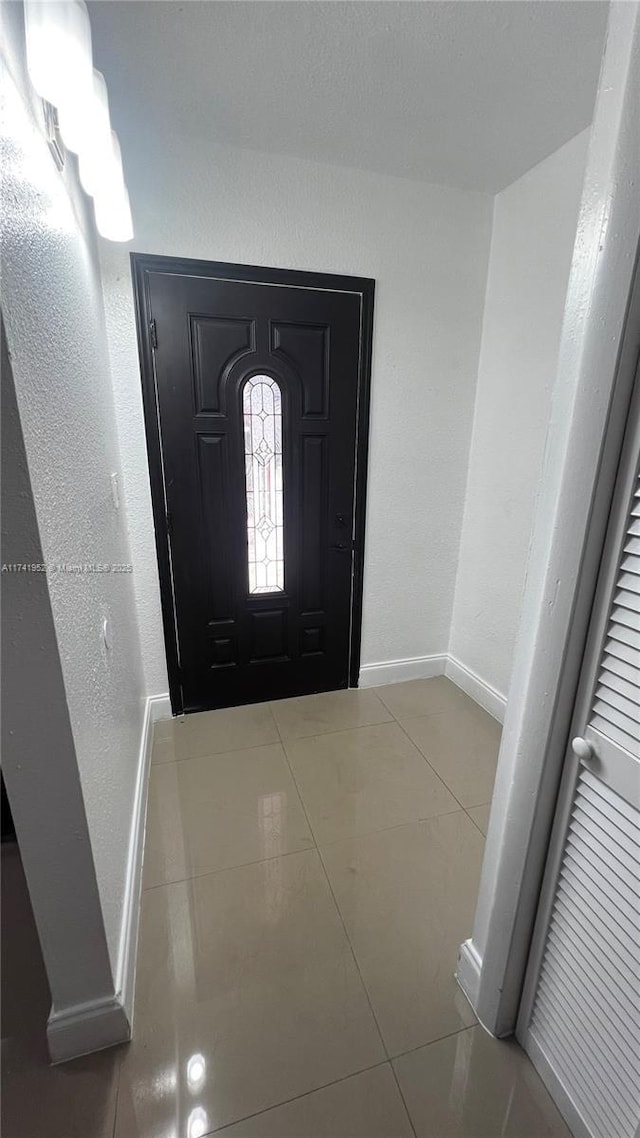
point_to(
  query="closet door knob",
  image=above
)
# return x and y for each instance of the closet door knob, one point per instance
(582, 749)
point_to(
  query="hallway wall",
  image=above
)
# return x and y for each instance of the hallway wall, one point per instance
(427, 246)
(39, 762)
(534, 226)
(54, 316)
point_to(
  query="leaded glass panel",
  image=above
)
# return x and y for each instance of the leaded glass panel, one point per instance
(262, 410)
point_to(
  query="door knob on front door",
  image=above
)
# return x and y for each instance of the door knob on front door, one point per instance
(582, 749)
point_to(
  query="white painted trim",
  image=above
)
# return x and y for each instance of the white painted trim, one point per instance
(483, 693)
(160, 707)
(425, 667)
(589, 409)
(468, 971)
(557, 1090)
(395, 671)
(87, 1027)
(126, 971)
(108, 1020)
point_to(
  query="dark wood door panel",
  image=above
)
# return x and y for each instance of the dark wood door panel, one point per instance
(279, 370)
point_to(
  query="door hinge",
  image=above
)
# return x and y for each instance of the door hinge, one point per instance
(153, 335)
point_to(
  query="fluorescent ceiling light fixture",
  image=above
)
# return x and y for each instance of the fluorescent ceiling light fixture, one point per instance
(96, 156)
(60, 65)
(110, 197)
(59, 58)
(113, 216)
(84, 119)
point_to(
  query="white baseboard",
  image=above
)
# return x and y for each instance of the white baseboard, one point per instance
(154, 708)
(103, 1022)
(468, 971)
(87, 1027)
(394, 671)
(425, 667)
(160, 707)
(488, 697)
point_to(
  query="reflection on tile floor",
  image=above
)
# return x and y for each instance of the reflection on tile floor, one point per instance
(311, 867)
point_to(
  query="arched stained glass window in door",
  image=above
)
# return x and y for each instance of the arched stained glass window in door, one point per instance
(262, 411)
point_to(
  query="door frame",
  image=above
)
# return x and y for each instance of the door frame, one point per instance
(626, 477)
(141, 265)
(591, 398)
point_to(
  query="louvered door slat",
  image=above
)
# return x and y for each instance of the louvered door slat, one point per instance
(615, 697)
(628, 617)
(626, 599)
(621, 846)
(616, 683)
(624, 635)
(594, 1087)
(632, 545)
(598, 854)
(597, 1074)
(604, 1009)
(618, 735)
(623, 668)
(602, 939)
(614, 1003)
(592, 894)
(631, 580)
(608, 713)
(585, 1016)
(609, 991)
(631, 562)
(583, 1028)
(622, 651)
(611, 947)
(626, 814)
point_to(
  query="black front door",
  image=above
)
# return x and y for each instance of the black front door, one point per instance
(256, 386)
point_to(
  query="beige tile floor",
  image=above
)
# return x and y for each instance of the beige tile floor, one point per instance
(311, 867)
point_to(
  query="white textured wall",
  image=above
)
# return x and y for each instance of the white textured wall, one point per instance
(53, 309)
(534, 226)
(427, 248)
(39, 763)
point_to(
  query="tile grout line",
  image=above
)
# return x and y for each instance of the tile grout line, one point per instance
(378, 829)
(353, 953)
(117, 1096)
(227, 868)
(340, 917)
(314, 846)
(280, 740)
(337, 731)
(348, 938)
(439, 1039)
(226, 751)
(345, 1078)
(466, 810)
(431, 768)
(429, 715)
(283, 743)
(297, 788)
(296, 1098)
(366, 990)
(403, 1100)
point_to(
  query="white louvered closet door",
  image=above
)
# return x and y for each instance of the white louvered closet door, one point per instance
(580, 1021)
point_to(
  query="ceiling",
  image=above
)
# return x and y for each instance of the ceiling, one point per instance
(468, 94)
